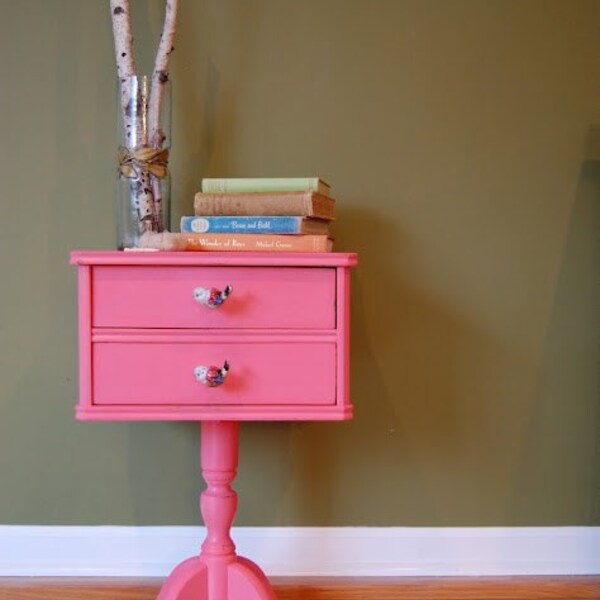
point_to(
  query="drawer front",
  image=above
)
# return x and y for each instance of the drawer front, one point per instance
(261, 373)
(262, 297)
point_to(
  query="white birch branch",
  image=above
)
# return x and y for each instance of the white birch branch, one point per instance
(160, 76)
(121, 22)
(133, 122)
(120, 13)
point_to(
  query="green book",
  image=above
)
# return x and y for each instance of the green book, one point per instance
(265, 184)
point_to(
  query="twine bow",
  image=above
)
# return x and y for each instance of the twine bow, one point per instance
(135, 161)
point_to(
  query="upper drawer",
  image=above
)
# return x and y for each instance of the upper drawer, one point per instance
(262, 297)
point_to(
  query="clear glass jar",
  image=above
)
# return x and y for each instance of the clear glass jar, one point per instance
(144, 141)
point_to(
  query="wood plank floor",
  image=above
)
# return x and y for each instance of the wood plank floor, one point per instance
(364, 588)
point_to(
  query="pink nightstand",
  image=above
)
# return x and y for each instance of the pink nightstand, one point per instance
(216, 338)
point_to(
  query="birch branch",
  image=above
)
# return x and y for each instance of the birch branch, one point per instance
(132, 115)
(160, 76)
(121, 22)
(123, 41)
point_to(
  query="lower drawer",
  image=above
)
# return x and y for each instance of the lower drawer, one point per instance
(261, 373)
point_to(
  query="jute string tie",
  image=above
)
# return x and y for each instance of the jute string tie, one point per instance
(133, 162)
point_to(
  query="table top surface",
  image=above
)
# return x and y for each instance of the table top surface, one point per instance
(256, 259)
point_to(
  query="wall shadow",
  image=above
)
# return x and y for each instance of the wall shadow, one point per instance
(563, 469)
(418, 374)
(203, 102)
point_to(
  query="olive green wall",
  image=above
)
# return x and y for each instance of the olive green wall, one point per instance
(458, 138)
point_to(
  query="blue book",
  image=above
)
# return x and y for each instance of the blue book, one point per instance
(254, 224)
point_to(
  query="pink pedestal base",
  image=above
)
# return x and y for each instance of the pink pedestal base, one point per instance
(218, 573)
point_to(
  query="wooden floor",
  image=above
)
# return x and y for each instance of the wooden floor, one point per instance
(404, 588)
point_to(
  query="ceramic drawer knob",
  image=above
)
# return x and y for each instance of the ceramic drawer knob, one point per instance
(212, 297)
(211, 376)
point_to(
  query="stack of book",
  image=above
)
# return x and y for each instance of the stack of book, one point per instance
(260, 215)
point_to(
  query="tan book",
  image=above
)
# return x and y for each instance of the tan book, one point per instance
(307, 204)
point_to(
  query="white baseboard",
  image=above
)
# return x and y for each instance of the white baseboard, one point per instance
(305, 551)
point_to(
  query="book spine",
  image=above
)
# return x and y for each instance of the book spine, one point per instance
(232, 224)
(223, 242)
(264, 204)
(281, 184)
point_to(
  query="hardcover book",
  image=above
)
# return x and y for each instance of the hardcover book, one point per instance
(248, 242)
(265, 184)
(254, 224)
(267, 204)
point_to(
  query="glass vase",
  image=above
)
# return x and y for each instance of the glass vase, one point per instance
(144, 141)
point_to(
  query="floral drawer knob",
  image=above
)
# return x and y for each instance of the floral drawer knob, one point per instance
(212, 297)
(211, 376)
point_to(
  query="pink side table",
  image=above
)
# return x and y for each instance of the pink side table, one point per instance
(216, 338)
